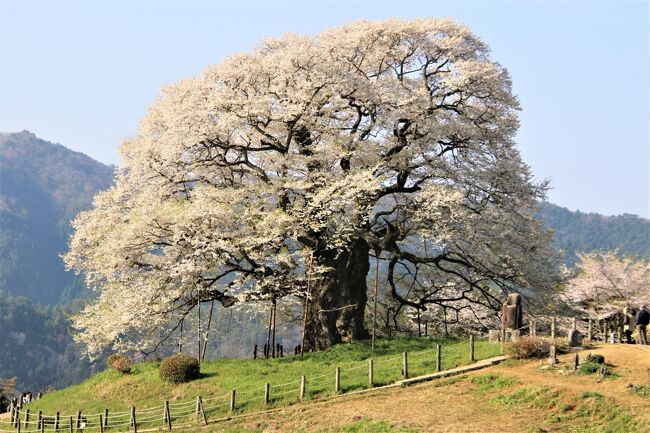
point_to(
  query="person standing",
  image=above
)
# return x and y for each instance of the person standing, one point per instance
(629, 320)
(642, 320)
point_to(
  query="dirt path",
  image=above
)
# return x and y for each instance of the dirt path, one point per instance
(458, 407)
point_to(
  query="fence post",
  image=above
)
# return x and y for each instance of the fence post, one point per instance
(101, 424)
(337, 380)
(589, 330)
(552, 355)
(471, 348)
(134, 420)
(18, 427)
(199, 401)
(303, 383)
(267, 392)
(27, 419)
(552, 327)
(233, 400)
(371, 373)
(438, 357)
(167, 417)
(78, 420)
(533, 328)
(255, 352)
(40, 419)
(56, 422)
(405, 362)
(105, 418)
(70, 425)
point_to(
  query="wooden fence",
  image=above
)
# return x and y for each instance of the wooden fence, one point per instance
(171, 415)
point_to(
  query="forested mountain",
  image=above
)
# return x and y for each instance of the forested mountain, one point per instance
(578, 231)
(36, 347)
(42, 187)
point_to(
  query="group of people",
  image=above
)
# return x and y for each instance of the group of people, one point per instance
(25, 398)
(638, 319)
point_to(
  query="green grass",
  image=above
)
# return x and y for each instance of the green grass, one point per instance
(369, 426)
(493, 381)
(144, 390)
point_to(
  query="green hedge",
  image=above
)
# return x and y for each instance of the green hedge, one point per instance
(179, 368)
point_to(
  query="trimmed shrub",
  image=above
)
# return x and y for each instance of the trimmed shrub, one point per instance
(179, 368)
(527, 347)
(120, 363)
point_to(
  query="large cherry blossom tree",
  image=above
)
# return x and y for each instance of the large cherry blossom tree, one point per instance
(278, 172)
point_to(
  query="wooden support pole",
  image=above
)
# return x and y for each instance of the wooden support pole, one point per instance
(56, 421)
(233, 400)
(337, 380)
(18, 426)
(267, 393)
(27, 419)
(40, 420)
(371, 373)
(77, 423)
(405, 365)
(106, 419)
(134, 421)
(303, 384)
(552, 327)
(438, 357)
(167, 417)
(101, 423)
(71, 424)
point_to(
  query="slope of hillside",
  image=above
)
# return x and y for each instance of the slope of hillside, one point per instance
(514, 397)
(42, 187)
(578, 231)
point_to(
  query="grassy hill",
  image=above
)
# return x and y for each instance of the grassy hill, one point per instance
(144, 389)
(513, 397)
(516, 396)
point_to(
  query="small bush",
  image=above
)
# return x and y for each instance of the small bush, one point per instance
(179, 368)
(527, 347)
(119, 363)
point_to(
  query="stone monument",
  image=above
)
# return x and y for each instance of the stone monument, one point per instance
(511, 316)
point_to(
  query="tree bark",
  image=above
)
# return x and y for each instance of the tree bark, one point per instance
(335, 312)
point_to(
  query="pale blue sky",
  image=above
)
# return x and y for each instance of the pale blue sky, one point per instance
(82, 74)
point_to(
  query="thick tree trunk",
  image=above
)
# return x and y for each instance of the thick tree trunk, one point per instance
(338, 299)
